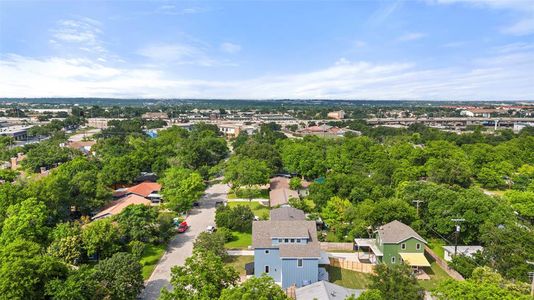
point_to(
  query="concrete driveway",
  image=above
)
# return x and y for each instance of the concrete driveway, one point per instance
(181, 246)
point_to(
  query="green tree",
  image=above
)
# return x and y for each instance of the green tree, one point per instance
(211, 242)
(24, 271)
(238, 218)
(396, 282)
(79, 285)
(138, 223)
(67, 243)
(243, 171)
(101, 238)
(202, 277)
(25, 220)
(181, 188)
(295, 183)
(255, 288)
(118, 277)
(369, 294)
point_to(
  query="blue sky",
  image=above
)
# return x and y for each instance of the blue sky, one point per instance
(428, 49)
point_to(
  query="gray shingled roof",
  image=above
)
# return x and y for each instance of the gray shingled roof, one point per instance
(324, 290)
(395, 232)
(264, 231)
(287, 214)
(297, 250)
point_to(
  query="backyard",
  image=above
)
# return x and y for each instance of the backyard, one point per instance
(437, 275)
(239, 262)
(347, 278)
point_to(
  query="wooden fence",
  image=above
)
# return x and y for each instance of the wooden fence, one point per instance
(337, 246)
(351, 265)
(443, 264)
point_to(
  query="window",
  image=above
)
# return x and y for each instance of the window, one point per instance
(286, 241)
(267, 269)
(403, 246)
(299, 263)
(280, 240)
(266, 251)
(393, 259)
(292, 240)
(417, 246)
(298, 241)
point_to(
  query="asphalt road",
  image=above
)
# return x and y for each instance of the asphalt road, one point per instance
(181, 246)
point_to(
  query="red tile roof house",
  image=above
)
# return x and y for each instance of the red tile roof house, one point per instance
(148, 190)
(117, 206)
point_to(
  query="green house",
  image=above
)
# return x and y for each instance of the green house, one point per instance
(394, 243)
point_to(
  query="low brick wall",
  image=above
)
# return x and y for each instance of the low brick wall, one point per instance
(443, 264)
(336, 246)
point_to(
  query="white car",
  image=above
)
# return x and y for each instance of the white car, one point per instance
(210, 229)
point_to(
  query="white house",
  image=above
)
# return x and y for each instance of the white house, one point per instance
(461, 250)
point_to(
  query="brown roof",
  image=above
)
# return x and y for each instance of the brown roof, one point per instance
(143, 189)
(264, 231)
(281, 196)
(118, 206)
(395, 232)
(80, 144)
(287, 214)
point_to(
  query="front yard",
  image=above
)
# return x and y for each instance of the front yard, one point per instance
(151, 256)
(241, 241)
(252, 193)
(259, 210)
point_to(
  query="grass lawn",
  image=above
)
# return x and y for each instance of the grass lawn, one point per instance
(238, 262)
(258, 209)
(436, 246)
(242, 241)
(347, 278)
(151, 256)
(245, 194)
(437, 275)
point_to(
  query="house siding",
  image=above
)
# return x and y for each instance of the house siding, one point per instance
(292, 274)
(272, 259)
(393, 250)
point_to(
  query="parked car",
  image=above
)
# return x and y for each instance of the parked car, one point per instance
(211, 229)
(182, 227)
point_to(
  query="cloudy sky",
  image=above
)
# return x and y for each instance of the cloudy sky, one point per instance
(428, 49)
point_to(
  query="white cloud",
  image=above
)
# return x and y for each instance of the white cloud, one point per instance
(82, 33)
(412, 36)
(230, 48)
(521, 27)
(505, 75)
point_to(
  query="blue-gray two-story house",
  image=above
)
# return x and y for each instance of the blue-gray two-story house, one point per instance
(286, 248)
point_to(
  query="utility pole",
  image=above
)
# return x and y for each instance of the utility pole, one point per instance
(457, 221)
(417, 202)
(531, 274)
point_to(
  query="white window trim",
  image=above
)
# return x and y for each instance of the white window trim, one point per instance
(301, 263)
(403, 246)
(393, 259)
(266, 269)
(418, 246)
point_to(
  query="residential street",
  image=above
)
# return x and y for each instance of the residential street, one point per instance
(181, 246)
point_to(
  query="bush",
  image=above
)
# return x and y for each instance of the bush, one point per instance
(137, 248)
(227, 234)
